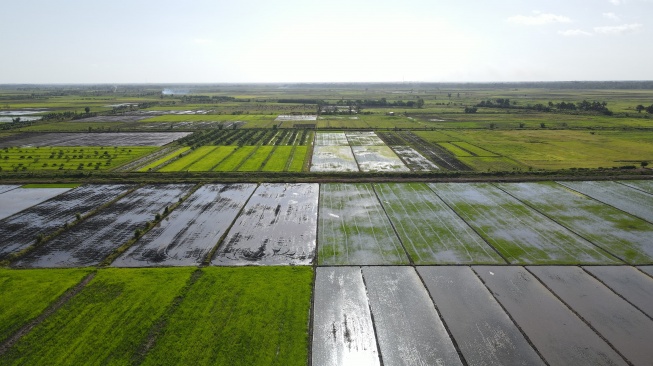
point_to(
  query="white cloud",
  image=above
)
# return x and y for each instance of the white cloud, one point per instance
(539, 19)
(616, 2)
(618, 29)
(611, 16)
(574, 33)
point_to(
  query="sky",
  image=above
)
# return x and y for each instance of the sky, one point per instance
(209, 41)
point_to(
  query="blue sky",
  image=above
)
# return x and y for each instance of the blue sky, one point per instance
(71, 41)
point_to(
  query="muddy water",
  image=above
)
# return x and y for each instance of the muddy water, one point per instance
(20, 230)
(409, 330)
(277, 227)
(556, 332)
(96, 139)
(192, 230)
(628, 199)
(627, 328)
(6, 187)
(621, 234)
(633, 285)
(354, 229)
(520, 233)
(343, 333)
(18, 199)
(483, 331)
(429, 230)
(94, 239)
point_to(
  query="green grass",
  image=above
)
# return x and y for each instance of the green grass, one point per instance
(26, 293)
(457, 151)
(207, 162)
(233, 161)
(254, 163)
(298, 159)
(106, 323)
(52, 185)
(477, 151)
(158, 162)
(187, 160)
(240, 316)
(20, 159)
(277, 162)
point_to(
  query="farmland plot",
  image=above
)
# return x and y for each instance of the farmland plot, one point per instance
(354, 229)
(25, 294)
(364, 139)
(106, 323)
(442, 158)
(646, 269)
(555, 331)
(409, 330)
(89, 242)
(186, 236)
(642, 185)
(18, 199)
(625, 236)
(96, 139)
(7, 187)
(414, 160)
(483, 331)
(20, 230)
(625, 327)
(239, 316)
(378, 158)
(343, 333)
(518, 232)
(277, 226)
(333, 159)
(629, 283)
(429, 230)
(331, 139)
(212, 159)
(628, 199)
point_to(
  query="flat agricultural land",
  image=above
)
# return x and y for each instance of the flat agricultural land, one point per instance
(93, 139)
(18, 159)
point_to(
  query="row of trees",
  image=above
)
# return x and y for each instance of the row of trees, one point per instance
(583, 106)
(641, 108)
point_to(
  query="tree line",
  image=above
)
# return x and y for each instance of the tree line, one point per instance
(583, 106)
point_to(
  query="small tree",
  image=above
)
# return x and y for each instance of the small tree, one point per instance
(87, 110)
(644, 164)
(640, 108)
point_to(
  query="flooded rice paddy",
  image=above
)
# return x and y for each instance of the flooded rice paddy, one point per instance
(413, 159)
(521, 234)
(392, 312)
(359, 224)
(625, 236)
(277, 226)
(19, 231)
(333, 158)
(354, 229)
(93, 139)
(92, 240)
(187, 236)
(430, 231)
(625, 198)
(15, 200)
(378, 159)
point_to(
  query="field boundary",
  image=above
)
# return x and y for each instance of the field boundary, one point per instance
(51, 309)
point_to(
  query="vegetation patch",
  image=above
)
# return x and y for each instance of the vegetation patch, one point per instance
(105, 323)
(240, 316)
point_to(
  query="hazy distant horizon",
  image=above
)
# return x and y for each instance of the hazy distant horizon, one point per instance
(293, 41)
